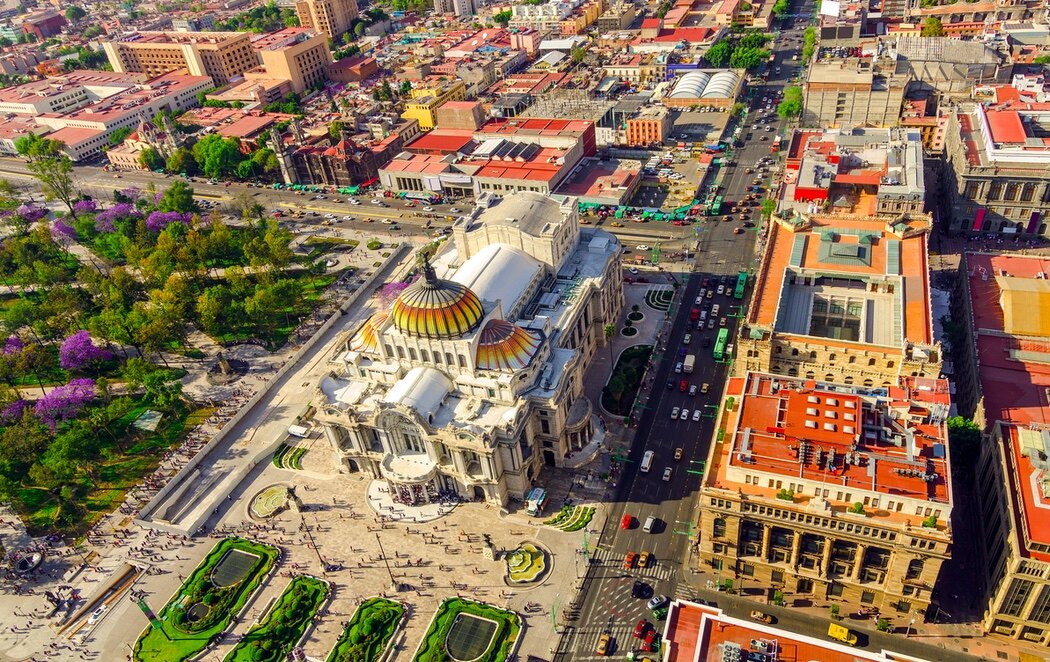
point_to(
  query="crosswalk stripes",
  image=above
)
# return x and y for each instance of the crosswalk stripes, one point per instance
(621, 633)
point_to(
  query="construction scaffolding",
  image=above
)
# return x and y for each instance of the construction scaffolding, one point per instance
(577, 104)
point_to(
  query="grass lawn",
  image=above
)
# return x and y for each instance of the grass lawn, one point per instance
(171, 638)
(628, 373)
(132, 455)
(273, 638)
(368, 632)
(320, 245)
(432, 649)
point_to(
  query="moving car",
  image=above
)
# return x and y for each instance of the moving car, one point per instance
(761, 617)
(685, 414)
(603, 644)
(641, 628)
(678, 451)
(656, 602)
(692, 389)
(674, 413)
(643, 559)
(626, 521)
(667, 474)
(96, 615)
(629, 560)
(683, 386)
(696, 415)
(705, 388)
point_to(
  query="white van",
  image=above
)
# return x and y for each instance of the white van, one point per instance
(649, 523)
(647, 461)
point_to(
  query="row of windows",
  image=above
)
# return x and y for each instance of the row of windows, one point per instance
(823, 522)
(426, 356)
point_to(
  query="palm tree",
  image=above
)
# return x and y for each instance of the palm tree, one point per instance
(610, 333)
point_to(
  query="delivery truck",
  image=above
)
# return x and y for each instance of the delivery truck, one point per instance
(687, 364)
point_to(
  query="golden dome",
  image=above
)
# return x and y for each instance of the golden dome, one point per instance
(505, 346)
(367, 337)
(436, 308)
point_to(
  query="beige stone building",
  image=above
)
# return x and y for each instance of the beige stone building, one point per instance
(298, 55)
(849, 92)
(842, 299)
(221, 55)
(472, 381)
(332, 17)
(840, 494)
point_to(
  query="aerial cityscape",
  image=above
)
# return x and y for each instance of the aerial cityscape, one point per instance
(533, 331)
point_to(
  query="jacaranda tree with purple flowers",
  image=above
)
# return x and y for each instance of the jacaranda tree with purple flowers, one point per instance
(85, 206)
(159, 220)
(13, 345)
(63, 403)
(79, 352)
(13, 411)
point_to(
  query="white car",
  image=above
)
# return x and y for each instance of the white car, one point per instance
(667, 474)
(696, 415)
(348, 218)
(96, 615)
(387, 221)
(376, 201)
(699, 300)
(454, 210)
(355, 201)
(674, 413)
(721, 290)
(428, 209)
(685, 414)
(641, 247)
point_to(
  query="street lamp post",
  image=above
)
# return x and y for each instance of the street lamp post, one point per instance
(910, 623)
(386, 562)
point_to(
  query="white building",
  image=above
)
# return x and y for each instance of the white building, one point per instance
(472, 381)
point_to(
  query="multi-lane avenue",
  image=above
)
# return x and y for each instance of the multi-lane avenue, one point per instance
(613, 597)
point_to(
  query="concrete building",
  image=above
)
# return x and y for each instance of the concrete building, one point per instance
(197, 23)
(127, 156)
(651, 126)
(298, 55)
(471, 381)
(843, 299)
(858, 171)
(617, 17)
(219, 55)
(44, 24)
(849, 92)
(946, 65)
(85, 131)
(696, 631)
(468, 115)
(332, 17)
(461, 8)
(830, 492)
(1002, 378)
(998, 159)
(430, 95)
(931, 122)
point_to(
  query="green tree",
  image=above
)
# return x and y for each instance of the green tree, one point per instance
(791, 105)
(217, 156)
(932, 27)
(50, 166)
(178, 197)
(809, 44)
(150, 159)
(719, 53)
(964, 436)
(748, 58)
(181, 161)
(405, 89)
(1042, 60)
(335, 130)
(769, 205)
(74, 14)
(577, 54)
(780, 7)
(92, 31)
(118, 136)
(503, 17)
(359, 29)
(265, 160)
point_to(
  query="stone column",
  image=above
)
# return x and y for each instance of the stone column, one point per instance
(859, 562)
(331, 436)
(825, 559)
(766, 534)
(796, 548)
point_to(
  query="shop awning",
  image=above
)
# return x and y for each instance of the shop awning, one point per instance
(1033, 223)
(978, 220)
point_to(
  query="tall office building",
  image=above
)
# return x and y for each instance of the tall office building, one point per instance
(332, 17)
(221, 55)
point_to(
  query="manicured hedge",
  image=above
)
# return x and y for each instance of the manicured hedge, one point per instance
(432, 648)
(176, 639)
(275, 636)
(368, 632)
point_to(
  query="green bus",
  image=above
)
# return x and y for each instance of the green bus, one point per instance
(720, 344)
(741, 283)
(716, 206)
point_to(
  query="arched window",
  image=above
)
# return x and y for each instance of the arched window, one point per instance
(812, 356)
(853, 359)
(889, 364)
(425, 354)
(793, 372)
(777, 350)
(829, 377)
(871, 361)
(848, 380)
(868, 382)
(831, 357)
(810, 375)
(794, 351)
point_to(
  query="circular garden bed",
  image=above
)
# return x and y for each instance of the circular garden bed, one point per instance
(528, 564)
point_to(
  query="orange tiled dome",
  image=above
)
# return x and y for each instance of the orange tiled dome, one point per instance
(505, 346)
(367, 337)
(436, 308)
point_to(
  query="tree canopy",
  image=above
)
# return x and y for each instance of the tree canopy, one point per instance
(791, 105)
(932, 27)
(51, 167)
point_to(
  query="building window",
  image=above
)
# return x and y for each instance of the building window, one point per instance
(1041, 611)
(718, 529)
(1016, 596)
(412, 353)
(867, 597)
(835, 589)
(400, 352)
(915, 569)
(545, 426)
(448, 359)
